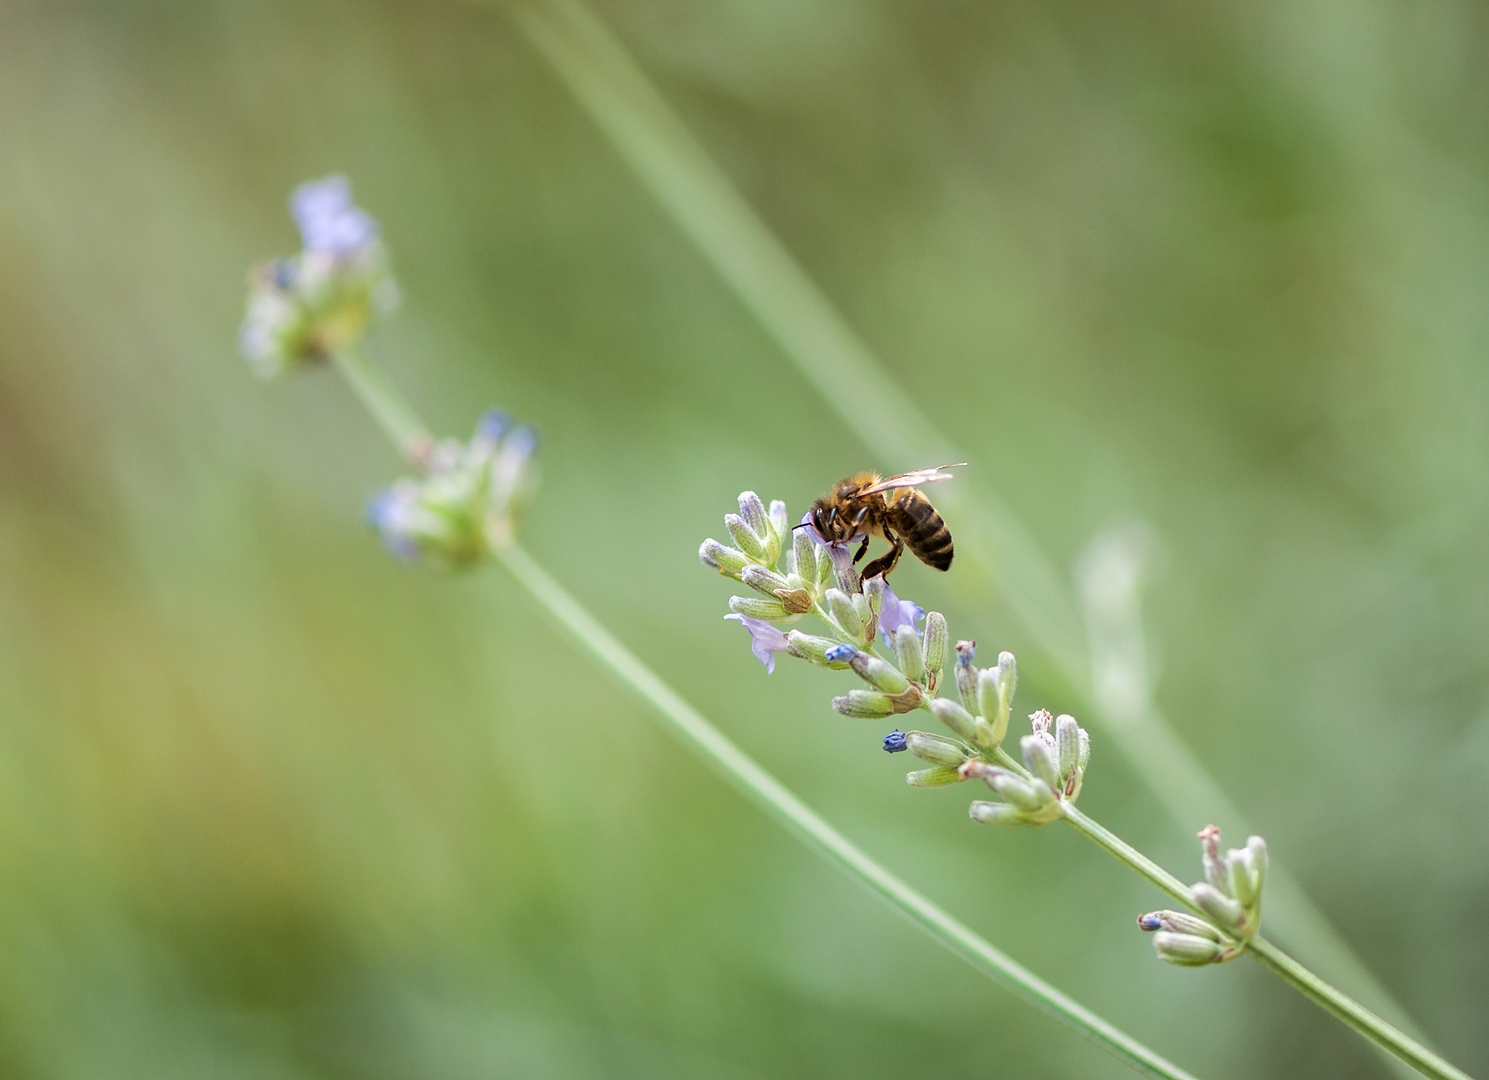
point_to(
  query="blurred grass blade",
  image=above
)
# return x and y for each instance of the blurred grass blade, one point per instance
(997, 554)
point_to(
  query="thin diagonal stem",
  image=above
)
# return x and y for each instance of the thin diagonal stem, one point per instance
(1003, 559)
(1385, 1035)
(689, 725)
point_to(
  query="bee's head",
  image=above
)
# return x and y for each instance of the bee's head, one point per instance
(828, 522)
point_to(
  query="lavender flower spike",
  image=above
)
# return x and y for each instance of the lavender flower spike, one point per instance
(329, 221)
(895, 613)
(766, 640)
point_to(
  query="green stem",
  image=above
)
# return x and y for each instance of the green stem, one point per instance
(1352, 1012)
(405, 429)
(385, 403)
(1347, 1009)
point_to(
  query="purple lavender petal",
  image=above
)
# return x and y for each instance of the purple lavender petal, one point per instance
(328, 219)
(766, 640)
(895, 613)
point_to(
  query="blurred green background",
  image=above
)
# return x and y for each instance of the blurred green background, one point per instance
(273, 806)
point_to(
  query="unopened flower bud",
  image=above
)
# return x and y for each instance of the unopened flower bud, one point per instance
(966, 674)
(726, 560)
(895, 743)
(844, 612)
(1027, 795)
(1067, 744)
(940, 776)
(779, 524)
(1223, 910)
(879, 673)
(955, 717)
(1186, 950)
(908, 649)
(757, 607)
(814, 648)
(864, 704)
(936, 749)
(1040, 760)
(997, 813)
(1179, 922)
(1217, 871)
(745, 538)
(805, 552)
(752, 510)
(766, 581)
(934, 646)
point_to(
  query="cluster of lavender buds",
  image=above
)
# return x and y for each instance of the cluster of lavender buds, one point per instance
(466, 500)
(1230, 897)
(302, 308)
(794, 573)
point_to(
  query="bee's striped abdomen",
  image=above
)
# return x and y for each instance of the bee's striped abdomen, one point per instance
(915, 520)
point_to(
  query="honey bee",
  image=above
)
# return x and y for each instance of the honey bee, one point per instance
(891, 509)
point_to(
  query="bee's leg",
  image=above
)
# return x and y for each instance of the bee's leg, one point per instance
(863, 549)
(886, 562)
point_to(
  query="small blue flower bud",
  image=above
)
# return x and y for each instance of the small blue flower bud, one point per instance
(841, 654)
(895, 742)
(1180, 922)
(966, 652)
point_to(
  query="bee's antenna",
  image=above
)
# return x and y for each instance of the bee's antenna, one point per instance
(803, 525)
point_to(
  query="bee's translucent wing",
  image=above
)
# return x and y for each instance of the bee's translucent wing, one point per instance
(909, 479)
